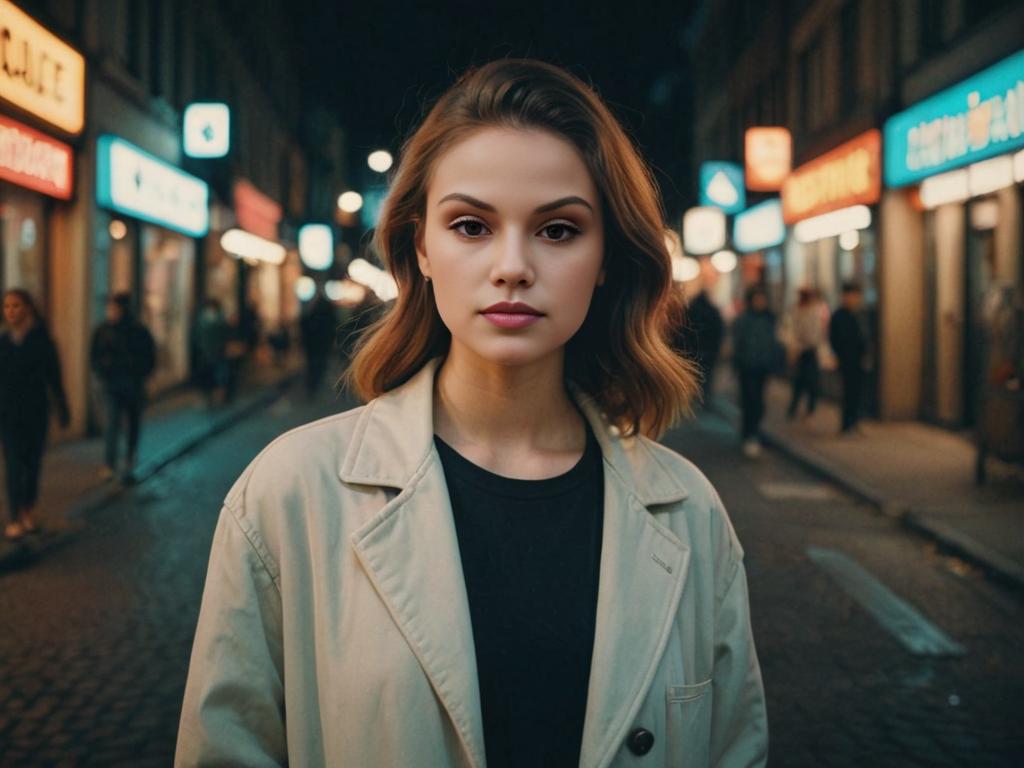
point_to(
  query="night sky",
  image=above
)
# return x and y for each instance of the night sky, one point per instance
(380, 64)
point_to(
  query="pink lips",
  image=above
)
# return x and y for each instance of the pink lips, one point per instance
(515, 314)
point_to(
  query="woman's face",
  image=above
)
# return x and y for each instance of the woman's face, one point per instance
(15, 310)
(513, 217)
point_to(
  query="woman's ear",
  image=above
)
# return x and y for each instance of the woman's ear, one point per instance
(421, 253)
(600, 277)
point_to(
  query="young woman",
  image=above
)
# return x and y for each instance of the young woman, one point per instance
(30, 382)
(491, 563)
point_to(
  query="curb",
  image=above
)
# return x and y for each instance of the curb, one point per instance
(946, 536)
(14, 555)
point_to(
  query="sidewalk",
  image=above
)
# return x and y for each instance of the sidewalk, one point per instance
(71, 484)
(921, 474)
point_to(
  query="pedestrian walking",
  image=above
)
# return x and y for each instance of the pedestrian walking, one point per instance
(30, 385)
(123, 355)
(210, 342)
(756, 354)
(701, 338)
(807, 328)
(849, 344)
(417, 579)
(318, 325)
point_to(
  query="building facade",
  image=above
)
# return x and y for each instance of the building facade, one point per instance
(842, 76)
(140, 215)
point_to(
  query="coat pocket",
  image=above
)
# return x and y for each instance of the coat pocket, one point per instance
(688, 725)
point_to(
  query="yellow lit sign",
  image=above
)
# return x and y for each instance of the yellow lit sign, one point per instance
(39, 72)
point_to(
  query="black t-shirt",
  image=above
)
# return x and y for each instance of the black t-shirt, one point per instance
(531, 556)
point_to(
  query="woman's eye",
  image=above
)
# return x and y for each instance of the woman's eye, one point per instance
(468, 227)
(559, 231)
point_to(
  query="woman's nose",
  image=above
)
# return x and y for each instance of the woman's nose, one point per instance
(512, 262)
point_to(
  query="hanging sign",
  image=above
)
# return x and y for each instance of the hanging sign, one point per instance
(768, 158)
(703, 230)
(135, 183)
(32, 159)
(256, 212)
(721, 185)
(39, 72)
(848, 175)
(758, 227)
(316, 245)
(207, 130)
(981, 117)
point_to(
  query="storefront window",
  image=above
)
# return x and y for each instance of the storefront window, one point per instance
(23, 241)
(168, 264)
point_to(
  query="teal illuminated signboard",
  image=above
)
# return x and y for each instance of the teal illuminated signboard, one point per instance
(981, 117)
(133, 182)
(721, 185)
(760, 226)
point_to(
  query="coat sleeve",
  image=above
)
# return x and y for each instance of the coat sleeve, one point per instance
(233, 712)
(55, 382)
(739, 723)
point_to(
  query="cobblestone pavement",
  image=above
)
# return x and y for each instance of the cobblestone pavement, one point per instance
(96, 637)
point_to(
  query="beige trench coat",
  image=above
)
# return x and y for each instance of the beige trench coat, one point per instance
(335, 629)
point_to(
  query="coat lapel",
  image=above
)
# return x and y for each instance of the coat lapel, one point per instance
(643, 570)
(410, 549)
(411, 553)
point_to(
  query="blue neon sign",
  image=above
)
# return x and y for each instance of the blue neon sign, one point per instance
(722, 185)
(760, 226)
(981, 117)
(134, 182)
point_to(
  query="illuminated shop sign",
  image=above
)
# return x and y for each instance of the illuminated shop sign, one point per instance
(206, 129)
(246, 245)
(34, 160)
(316, 245)
(848, 175)
(981, 117)
(39, 72)
(721, 185)
(134, 182)
(760, 226)
(768, 158)
(703, 230)
(256, 212)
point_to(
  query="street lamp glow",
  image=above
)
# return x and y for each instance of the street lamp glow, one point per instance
(849, 240)
(118, 229)
(350, 202)
(724, 261)
(305, 288)
(380, 160)
(685, 269)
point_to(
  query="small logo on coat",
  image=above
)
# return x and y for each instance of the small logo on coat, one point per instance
(662, 563)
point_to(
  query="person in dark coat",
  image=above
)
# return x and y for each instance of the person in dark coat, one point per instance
(850, 345)
(701, 338)
(319, 325)
(30, 383)
(756, 353)
(210, 341)
(123, 355)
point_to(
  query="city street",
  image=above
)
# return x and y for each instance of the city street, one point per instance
(97, 634)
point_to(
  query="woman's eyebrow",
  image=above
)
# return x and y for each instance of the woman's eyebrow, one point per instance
(570, 200)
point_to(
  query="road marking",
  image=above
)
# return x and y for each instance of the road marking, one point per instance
(776, 490)
(898, 617)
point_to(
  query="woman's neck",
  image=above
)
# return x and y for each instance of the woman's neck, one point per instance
(517, 421)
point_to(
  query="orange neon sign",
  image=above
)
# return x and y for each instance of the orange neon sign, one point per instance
(768, 156)
(848, 175)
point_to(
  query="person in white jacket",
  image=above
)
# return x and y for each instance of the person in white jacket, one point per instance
(491, 563)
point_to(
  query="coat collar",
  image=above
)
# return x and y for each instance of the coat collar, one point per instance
(395, 435)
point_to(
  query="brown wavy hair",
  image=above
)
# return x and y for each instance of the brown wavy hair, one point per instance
(621, 356)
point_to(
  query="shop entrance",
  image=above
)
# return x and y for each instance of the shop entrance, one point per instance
(980, 274)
